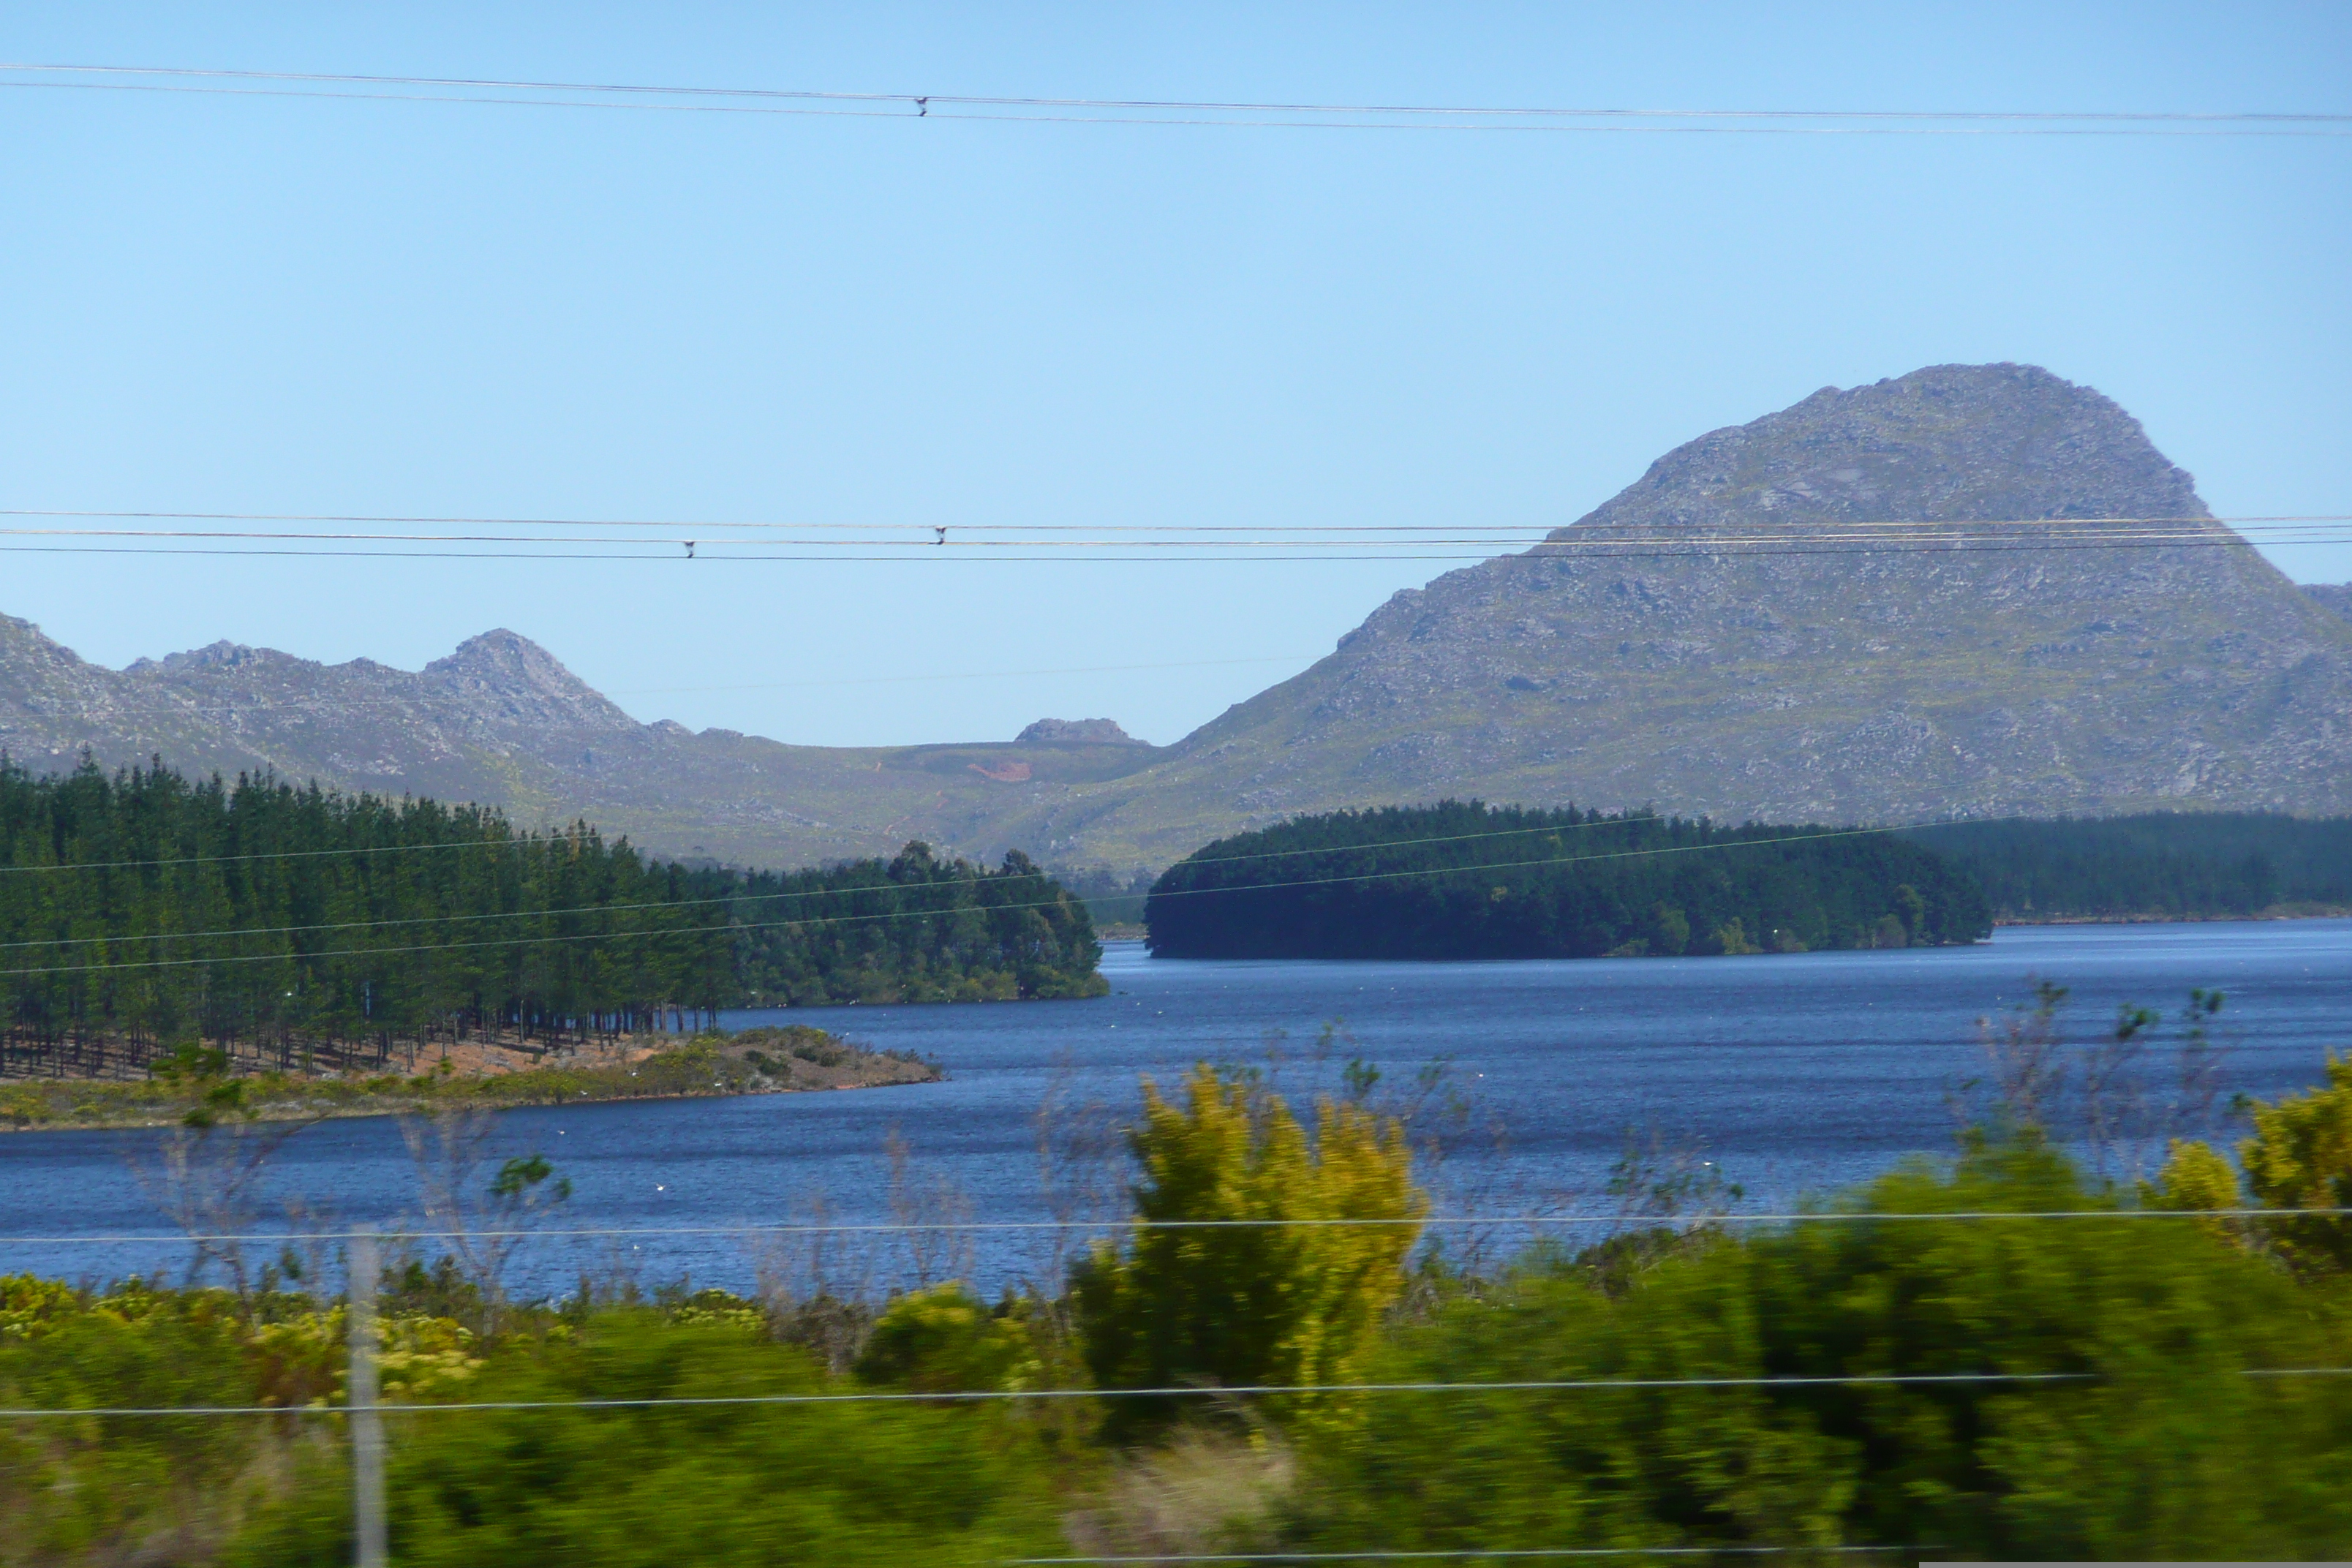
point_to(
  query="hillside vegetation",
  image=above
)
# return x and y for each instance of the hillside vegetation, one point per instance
(1468, 880)
(2156, 865)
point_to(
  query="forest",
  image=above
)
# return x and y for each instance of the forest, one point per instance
(2165, 865)
(1462, 880)
(142, 912)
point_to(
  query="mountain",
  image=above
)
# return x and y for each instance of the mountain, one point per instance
(1738, 633)
(501, 721)
(2337, 597)
(1793, 675)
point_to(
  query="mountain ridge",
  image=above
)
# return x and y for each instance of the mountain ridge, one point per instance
(1741, 632)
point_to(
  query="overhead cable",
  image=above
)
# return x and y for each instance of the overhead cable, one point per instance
(1231, 113)
(658, 932)
(1191, 1391)
(963, 1226)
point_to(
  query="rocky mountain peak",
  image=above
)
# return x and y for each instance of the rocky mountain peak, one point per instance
(1949, 443)
(523, 680)
(1747, 630)
(1076, 732)
(217, 656)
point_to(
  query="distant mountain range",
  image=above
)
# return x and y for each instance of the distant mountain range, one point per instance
(1713, 640)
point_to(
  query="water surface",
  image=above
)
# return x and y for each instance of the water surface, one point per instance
(1798, 1074)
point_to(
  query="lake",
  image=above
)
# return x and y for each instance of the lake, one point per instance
(1795, 1074)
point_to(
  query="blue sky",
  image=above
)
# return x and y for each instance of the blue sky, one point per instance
(278, 304)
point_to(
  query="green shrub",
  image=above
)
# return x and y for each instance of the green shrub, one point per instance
(2166, 1450)
(944, 1339)
(713, 1485)
(2301, 1157)
(1260, 1305)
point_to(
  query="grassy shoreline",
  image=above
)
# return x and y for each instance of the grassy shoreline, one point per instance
(785, 1060)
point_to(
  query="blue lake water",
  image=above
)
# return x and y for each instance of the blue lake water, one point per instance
(1798, 1074)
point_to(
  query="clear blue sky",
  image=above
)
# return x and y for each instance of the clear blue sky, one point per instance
(275, 304)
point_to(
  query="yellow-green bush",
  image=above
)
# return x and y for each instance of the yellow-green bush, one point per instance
(1265, 1304)
(2301, 1157)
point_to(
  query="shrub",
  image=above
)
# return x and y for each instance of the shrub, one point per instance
(648, 1487)
(2164, 1449)
(2301, 1157)
(1273, 1304)
(943, 1340)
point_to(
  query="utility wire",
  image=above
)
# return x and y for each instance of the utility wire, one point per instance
(803, 685)
(1482, 1554)
(526, 840)
(1138, 536)
(990, 1396)
(893, 1227)
(592, 909)
(1177, 111)
(1099, 527)
(1608, 550)
(927, 914)
(989, 548)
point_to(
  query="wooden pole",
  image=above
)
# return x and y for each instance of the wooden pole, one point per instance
(367, 1418)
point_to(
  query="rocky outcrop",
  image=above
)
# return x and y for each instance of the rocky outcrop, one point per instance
(1076, 732)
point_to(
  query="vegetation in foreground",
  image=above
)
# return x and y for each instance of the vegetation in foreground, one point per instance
(193, 1087)
(1457, 881)
(2115, 1387)
(2166, 865)
(142, 912)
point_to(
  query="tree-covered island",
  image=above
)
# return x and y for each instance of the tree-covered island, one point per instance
(1462, 880)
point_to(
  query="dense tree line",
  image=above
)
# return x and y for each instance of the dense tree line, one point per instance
(1468, 880)
(144, 911)
(2169, 864)
(914, 928)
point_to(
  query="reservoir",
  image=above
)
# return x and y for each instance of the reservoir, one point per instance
(1795, 1075)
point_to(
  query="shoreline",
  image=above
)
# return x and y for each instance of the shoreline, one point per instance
(791, 1059)
(2275, 912)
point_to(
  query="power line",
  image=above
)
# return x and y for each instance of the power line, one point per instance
(551, 941)
(936, 558)
(892, 1228)
(1763, 531)
(991, 1395)
(469, 842)
(985, 549)
(1652, 547)
(801, 102)
(740, 895)
(524, 839)
(1482, 1554)
(709, 524)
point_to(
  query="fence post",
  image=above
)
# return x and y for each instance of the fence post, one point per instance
(367, 1420)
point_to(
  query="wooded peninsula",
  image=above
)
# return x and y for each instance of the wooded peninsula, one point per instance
(1467, 880)
(142, 913)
